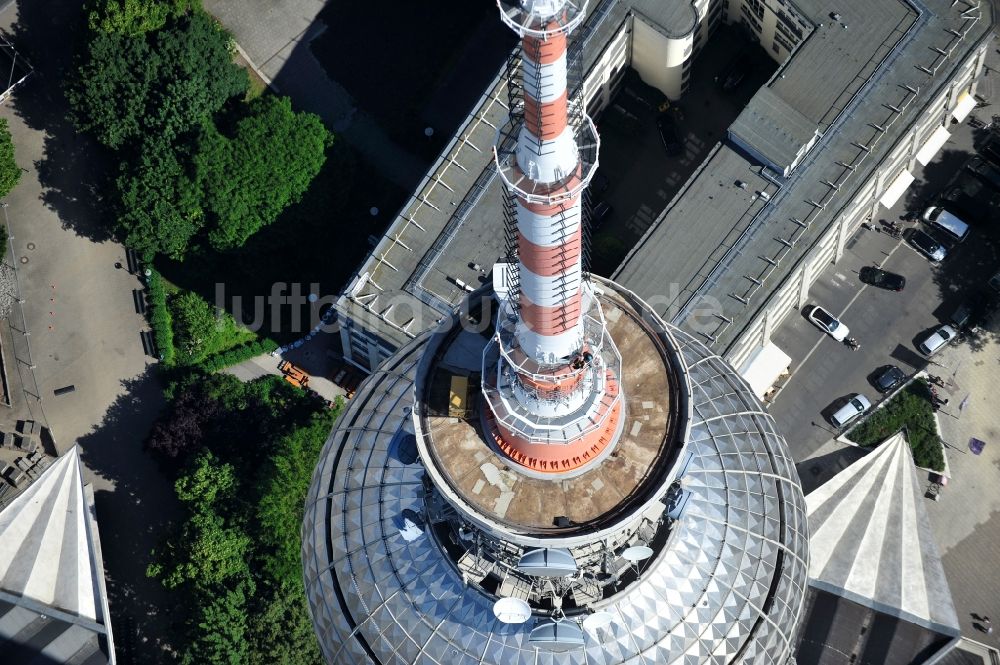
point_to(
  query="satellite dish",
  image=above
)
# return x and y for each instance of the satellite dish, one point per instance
(637, 553)
(512, 610)
(598, 620)
(562, 636)
(547, 563)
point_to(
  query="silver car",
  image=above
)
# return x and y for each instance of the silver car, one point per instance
(855, 406)
(937, 340)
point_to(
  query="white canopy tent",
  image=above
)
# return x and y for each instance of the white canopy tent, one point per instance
(763, 368)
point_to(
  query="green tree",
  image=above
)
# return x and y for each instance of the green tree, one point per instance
(281, 630)
(249, 178)
(10, 172)
(161, 84)
(201, 330)
(108, 95)
(206, 484)
(220, 629)
(159, 204)
(285, 484)
(195, 323)
(208, 550)
(135, 17)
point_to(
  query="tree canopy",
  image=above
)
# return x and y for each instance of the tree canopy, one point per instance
(244, 478)
(157, 84)
(159, 203)
(10, 172)
(267, 164)
(135, 17)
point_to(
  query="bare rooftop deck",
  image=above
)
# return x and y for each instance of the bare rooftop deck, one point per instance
(488, 482)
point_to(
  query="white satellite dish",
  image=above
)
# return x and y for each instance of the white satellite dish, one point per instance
(597, 620)
(512, 610)
(637, 553)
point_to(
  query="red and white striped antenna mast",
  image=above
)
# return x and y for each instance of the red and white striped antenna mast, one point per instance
(553, 392)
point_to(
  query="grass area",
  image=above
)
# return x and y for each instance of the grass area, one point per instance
(911, 409)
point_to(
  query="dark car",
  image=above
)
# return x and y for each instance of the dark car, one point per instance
(887, 378)
(883, 279)
(668, 134)
(992, 152)
(927, 245)
(971, 311)
(739, 68)
(600, 213)
(598, 185)
(986, 171)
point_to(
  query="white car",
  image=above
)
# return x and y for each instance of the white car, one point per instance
(855, 406)
(937, 340)
(828, 323)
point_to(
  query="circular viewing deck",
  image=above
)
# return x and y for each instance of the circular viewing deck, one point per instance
(482, 482)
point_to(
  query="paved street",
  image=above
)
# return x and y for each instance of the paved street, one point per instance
(84, 330)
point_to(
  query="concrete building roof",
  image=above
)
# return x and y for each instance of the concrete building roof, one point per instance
(454, 220)
(884, 64)
(674, 19)
(711, 241)
(773, 127)
(871, 541)
(52, 599)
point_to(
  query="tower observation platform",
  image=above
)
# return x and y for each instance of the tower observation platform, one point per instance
(554, 475)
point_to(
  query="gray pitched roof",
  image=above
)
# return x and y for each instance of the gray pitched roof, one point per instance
(871, 541)
(773, 128)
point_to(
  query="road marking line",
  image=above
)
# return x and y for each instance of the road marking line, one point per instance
(820, 341)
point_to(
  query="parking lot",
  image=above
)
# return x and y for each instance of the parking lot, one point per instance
(888, 326)
(642, 176)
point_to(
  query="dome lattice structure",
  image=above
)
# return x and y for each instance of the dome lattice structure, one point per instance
(726, 583)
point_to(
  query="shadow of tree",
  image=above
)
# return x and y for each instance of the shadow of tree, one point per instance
(135, 503)
(73, 170)
(968, 264)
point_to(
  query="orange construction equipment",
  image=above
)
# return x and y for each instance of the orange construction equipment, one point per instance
(294, 375)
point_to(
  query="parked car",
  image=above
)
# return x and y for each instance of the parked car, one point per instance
(947, 222)
(828, 323)
(927, 245)
(739, 68)
(600, 213)
(937, 340)
(883, 279)
(668, 134)
(985, 171)
(598, 185)
(994, 282)
(991, 151)
(856, 405)
(887, 378)
(971, 310)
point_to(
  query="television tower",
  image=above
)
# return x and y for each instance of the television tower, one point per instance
(551, 378)
(489, 497)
